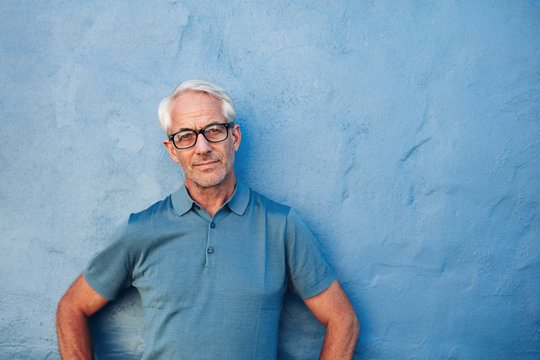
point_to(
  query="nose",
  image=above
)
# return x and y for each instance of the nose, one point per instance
(202, 146)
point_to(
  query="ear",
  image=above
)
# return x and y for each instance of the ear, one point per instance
(172, 150)
(237, 136)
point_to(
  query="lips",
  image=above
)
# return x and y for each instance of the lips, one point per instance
(205, 162)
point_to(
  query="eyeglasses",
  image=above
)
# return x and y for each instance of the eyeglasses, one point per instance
(213, 133)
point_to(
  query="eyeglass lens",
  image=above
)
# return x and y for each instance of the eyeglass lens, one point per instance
(212, 133)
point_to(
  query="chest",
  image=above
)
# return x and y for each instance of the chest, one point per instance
(213, 262)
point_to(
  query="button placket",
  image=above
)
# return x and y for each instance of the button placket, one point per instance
(209, 247)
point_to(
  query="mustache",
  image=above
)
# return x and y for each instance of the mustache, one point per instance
(205, 158)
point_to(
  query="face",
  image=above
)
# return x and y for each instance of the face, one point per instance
(205, 164)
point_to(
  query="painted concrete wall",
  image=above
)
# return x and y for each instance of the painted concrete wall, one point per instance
(406, 133)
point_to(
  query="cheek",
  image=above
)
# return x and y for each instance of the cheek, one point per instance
(184, 163)
(182, 160)
(230, 153)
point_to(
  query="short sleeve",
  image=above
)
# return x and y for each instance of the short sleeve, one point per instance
(309, 273)
(108, 272)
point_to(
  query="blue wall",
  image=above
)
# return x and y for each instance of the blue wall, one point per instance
(406, 133)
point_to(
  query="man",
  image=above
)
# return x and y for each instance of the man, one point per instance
(212, 260)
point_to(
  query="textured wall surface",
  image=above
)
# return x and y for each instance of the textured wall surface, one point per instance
(406, 133)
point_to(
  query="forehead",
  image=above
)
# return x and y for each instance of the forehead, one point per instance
(195, 108)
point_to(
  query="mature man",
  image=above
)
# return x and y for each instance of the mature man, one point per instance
(212, 260)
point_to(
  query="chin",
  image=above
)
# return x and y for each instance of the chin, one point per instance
(207, 184)
(208, 181)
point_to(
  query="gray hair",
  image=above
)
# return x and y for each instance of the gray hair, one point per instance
(195, 85)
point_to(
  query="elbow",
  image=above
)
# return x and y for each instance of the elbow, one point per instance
(64, 305)
(355, 326)
(68, 308)
(63, 309)
(351, 324)
(348, 324)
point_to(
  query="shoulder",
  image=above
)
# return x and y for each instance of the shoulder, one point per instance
(277, 215)
(148, 224)
(143, 228)
(268, 205)
(151, 213)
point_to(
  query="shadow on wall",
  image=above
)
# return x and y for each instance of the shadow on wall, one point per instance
(300, 334)
(116, 329)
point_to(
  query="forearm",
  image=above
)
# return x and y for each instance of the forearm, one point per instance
(74, 339)
(340, 340)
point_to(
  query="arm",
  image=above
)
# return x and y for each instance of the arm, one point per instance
(333, 309)
(78, 303)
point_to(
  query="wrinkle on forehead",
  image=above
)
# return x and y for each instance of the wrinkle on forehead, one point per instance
(195, 110)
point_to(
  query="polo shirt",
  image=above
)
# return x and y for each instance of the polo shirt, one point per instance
(211, 287)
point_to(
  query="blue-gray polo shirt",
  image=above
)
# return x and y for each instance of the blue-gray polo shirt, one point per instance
(211, 288)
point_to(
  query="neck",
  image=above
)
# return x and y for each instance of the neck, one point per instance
(212, 198)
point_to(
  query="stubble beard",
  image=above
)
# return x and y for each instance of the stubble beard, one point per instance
(212, 177)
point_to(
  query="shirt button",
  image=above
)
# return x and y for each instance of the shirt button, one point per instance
(210, 250)
(212, 225)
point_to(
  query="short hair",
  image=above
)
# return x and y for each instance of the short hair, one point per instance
(195, 85)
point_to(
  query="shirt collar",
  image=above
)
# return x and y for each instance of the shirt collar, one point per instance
(238, 202)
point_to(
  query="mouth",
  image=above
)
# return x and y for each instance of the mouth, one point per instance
(206, 164)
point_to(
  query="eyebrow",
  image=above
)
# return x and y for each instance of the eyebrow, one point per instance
(212, 123)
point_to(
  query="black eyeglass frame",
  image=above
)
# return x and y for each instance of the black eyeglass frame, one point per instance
(201, 131)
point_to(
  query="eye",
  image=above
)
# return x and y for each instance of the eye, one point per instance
(184, 136)
(214, 129)
(215, 133)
